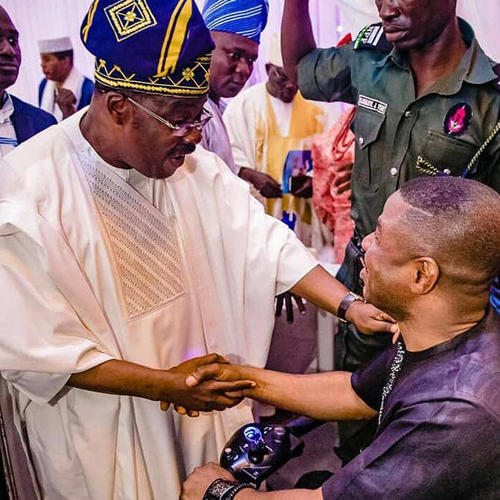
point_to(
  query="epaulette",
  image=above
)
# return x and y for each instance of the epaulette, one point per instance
(372, 37)
(496, 83)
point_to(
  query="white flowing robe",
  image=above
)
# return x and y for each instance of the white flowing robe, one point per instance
(98, 263)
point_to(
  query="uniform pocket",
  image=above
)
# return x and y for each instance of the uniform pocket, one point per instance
(443, 155)
(367, 167)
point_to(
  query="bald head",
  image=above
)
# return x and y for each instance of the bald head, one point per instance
(10, 53)
(457, 222)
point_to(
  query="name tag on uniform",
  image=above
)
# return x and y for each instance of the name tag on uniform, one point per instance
(372, 104)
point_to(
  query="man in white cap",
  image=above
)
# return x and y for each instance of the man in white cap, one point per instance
(64, 90)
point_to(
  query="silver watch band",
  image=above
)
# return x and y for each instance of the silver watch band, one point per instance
(345, 303)
(220, 489)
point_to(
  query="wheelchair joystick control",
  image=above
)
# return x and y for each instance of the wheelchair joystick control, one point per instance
(279, 434)
(257, 450)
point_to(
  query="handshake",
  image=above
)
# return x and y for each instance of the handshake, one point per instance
(207, 383)
(211, 382)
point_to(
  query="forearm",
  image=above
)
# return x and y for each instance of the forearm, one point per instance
(322, 396)
(321, 288)
(124, 378)
(297, 37)
(246, 173)
(169, 385)
(248, 494)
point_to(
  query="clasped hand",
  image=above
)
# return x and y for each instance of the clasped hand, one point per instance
(66, 101)
(210, 392)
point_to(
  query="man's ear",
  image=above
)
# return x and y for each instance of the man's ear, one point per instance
(117, 107)
(425, 275)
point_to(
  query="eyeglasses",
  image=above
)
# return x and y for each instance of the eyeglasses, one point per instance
(178, 129)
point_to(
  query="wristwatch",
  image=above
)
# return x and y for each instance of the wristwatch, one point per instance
(221, 489)
(345, 303)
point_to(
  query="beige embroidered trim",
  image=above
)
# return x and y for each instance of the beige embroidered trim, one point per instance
(143, 241)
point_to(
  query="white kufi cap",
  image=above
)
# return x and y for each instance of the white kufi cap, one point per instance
(53, 45)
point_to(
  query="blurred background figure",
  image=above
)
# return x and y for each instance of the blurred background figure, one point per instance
(235, 28)
(64, 90)
(18, 120)
(271, 144)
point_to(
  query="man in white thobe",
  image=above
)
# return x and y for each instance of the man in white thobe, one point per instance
(81, 248)
(269, 124)
(64, 90)
(122, 258)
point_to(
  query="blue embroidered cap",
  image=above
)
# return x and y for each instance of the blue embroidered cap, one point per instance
(150, 46)
(242, 17)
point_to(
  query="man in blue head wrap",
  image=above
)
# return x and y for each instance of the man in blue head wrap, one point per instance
(235, 26)
(126, 256)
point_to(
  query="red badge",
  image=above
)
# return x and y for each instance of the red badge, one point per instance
(457, 119)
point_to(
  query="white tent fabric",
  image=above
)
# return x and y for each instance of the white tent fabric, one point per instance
(39, 19)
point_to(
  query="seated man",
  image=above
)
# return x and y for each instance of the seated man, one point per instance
(430, 264)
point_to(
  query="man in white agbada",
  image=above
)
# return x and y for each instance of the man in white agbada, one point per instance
(64, 90)
(121, 258)
(266, 122)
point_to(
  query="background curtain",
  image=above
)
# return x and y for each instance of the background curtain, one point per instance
(332, 19)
